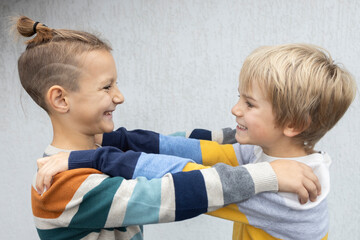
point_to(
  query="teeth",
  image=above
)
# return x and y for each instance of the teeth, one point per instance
(242, 127)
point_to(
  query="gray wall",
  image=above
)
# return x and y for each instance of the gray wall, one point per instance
(178, 64)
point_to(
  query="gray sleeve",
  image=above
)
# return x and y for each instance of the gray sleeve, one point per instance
(242, 182)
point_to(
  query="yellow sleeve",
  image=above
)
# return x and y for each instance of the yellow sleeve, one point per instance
(213, 153)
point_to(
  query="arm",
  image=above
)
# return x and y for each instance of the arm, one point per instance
(292, 176)
(84, 199)
(201, 151)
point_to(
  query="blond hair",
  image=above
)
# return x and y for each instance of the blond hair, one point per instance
(52, 57)
(308, 92)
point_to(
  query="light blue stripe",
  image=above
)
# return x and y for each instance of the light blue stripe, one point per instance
(181, 147)
(144, 204)
(157, 165)
(178, 134)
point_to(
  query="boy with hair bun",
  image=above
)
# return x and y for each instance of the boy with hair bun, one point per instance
(289, 97)
(72, 76)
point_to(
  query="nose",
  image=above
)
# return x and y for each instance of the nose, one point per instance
(118, 98)
(236, 110)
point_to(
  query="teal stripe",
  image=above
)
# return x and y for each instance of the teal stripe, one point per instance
(138, 236)
(178, 134)
(144, 204)
(94, 209)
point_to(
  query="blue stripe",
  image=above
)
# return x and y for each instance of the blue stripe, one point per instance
(190, 194)
(201, 134)
(114, 162)
(156, 165)
(144, 204)
(94, 209)
(136, 140)
(181, 147)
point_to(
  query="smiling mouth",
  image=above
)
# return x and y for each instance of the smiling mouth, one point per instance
(108, 114)
(241, 127)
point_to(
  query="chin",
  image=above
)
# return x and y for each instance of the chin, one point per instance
(241, 140)
(108, 129)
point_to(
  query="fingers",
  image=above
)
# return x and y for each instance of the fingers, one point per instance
(314, 179)
(40, 177)
(297, 178)
(311, 190)
(303, 195)
(48, 168)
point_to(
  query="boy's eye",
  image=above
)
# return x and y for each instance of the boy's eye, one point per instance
(249, 104)
(107, 87)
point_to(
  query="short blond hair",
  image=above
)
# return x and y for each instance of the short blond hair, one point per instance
(306, 89)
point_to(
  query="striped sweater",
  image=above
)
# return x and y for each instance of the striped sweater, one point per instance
(88, 204)
(264, 216)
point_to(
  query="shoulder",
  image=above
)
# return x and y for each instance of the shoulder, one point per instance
(244, 153)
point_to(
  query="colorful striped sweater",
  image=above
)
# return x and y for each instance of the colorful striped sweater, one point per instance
(88, 204)
(264, 216)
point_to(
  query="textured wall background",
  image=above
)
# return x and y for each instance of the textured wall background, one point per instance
(178, 63)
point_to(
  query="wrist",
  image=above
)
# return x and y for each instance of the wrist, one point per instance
(264, 177)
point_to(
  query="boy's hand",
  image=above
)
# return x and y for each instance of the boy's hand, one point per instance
(49, 167)
(297, 178)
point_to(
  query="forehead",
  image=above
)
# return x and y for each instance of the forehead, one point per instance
(98, 66)
(253, 89)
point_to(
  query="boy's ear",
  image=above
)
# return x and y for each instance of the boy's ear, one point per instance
(57, 99)
(290, 131)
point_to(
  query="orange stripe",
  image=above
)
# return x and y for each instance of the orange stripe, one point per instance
(53, 202)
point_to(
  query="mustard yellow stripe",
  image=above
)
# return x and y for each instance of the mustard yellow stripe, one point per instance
(193, 166)
(243, 231)
(230, 212)
(213, 152)
(247, 232)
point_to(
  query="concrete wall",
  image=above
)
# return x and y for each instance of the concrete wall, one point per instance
(178, 64)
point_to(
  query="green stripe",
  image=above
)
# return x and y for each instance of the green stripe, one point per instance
(94, 209)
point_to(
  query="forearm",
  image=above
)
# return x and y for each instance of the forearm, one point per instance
(129, 165)
(173, 197)
(201, 151)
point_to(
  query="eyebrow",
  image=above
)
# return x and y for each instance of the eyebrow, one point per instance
(250, 97)
(107, 81)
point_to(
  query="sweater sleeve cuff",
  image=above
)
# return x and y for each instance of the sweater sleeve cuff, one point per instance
(264, 177)
(81, 159)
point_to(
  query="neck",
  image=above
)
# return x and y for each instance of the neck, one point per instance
(68, 138)
(285, 150)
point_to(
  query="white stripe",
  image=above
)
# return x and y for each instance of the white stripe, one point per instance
(167, 207)
(72, 207)
(118, 207)
(217, 136)
(213, 188)
(114, 234)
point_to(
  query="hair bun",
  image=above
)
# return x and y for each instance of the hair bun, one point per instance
(28, 27)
